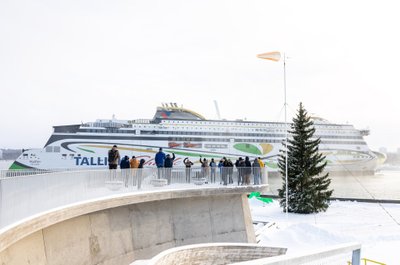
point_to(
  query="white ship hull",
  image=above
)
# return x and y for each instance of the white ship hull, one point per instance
(86, 146)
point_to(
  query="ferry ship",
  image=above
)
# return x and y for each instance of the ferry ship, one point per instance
(188, 134)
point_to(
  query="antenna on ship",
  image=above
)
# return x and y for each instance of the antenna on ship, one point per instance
(217, 109)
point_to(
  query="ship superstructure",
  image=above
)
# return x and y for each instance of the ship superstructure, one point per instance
(188, 134)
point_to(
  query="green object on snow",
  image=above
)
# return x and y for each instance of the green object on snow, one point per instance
(257, 195)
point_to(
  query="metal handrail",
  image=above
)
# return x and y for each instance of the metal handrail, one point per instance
(373, 261)
(368, 260)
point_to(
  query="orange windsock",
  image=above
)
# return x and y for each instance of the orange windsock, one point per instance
(273, 56)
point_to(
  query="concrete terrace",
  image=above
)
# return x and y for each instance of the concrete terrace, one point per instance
(92, 217)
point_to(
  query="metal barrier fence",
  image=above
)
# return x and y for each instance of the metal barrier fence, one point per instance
(26, 193)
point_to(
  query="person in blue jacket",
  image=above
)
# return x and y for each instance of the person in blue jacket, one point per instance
(124, 165)
(160, 160)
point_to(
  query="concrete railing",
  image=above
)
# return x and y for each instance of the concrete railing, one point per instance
(26, 193)
(214, 254)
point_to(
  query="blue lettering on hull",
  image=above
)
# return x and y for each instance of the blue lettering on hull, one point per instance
(90, 161)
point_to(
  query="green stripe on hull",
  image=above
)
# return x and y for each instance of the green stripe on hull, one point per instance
(86, 150)
(248, 148)
(17, 166)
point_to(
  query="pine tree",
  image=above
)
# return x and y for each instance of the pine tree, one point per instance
(307, 184)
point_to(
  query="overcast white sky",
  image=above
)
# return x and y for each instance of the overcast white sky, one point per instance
(63, 62)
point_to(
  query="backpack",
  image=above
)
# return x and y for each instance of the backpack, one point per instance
(111, 156)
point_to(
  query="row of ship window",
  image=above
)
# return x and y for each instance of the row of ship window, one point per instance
(188, 139)
(272, 124)
(210, 133)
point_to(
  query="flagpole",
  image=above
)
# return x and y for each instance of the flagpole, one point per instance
(286, 134)
(276, 56)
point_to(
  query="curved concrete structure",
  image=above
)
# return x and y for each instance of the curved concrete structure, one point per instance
(214, 254)
(120, 229)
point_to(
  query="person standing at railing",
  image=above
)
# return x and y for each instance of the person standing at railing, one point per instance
(134, 163)
(124, 165)
(213, 167)
(204, 168)
(240, 167)
(262, 165)
(188, 168)
(168, 164)
(141, 163)
(113, 158)
(256, 171)
(247, 170)
(140, 172)
(222, 172)
(160, 159)
(229, 166)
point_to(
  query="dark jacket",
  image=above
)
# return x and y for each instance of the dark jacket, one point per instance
(125, 163)
(248, 166)
(113, 157)
(169, 161)
(141, 163)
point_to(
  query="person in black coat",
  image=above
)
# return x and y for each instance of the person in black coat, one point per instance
(141, 163)
(139, 175)
(124, 165)
(168, 164)
(169, 161)
(247, 170)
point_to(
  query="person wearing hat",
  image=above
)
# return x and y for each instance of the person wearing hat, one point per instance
(113, 157)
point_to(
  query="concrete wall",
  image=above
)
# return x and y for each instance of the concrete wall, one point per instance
(127, 228)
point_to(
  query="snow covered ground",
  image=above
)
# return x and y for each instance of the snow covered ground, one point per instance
(375, 226)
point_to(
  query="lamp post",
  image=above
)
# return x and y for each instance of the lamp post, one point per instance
(276, 56)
